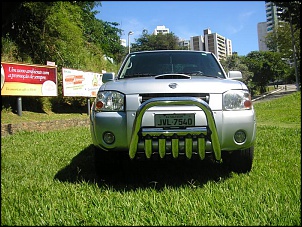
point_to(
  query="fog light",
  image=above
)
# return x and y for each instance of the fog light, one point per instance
(240, 136)
(108, 137)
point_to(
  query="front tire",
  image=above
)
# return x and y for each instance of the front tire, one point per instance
(240, 161)
(107, 162)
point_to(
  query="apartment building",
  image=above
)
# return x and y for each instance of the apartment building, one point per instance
(161, 29)
(197, 43)
(229, 47)
(184, 43)
(272, 21)
(272, 16)
(212, 42)
(262, 32)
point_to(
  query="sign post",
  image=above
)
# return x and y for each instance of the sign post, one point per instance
(88, 105)
(19, 106)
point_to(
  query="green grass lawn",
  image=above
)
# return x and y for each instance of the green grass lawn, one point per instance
(49, 179)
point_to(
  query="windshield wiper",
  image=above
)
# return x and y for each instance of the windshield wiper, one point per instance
(211, 76)
(199, 73)
(193, 73)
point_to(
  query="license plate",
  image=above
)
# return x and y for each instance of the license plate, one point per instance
(174, 120)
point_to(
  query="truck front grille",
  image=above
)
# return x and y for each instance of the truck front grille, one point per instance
(203, 96)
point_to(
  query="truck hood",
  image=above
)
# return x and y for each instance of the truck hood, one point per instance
(192, 85)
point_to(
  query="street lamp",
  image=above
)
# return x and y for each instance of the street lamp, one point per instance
(129, 33)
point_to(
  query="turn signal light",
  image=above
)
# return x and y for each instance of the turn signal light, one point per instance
(248, 104)
(99, 105)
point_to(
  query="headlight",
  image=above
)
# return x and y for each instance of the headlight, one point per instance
(109, 101)
(237, 100)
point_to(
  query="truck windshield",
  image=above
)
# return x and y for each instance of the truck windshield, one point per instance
(170, 62)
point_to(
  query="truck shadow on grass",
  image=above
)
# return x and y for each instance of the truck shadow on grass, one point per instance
(131, 175)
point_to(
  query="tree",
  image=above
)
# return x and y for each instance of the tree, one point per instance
(266, 66)
(44, 30)
(64, 32)
(280, 40)
(290, 12)
(110, 39)
(235, 62)
(156, 42)
(10, 13)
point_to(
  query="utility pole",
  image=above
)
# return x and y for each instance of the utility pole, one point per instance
(288, 8)
(294, 50)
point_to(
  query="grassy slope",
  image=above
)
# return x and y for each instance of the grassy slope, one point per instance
(48, 179)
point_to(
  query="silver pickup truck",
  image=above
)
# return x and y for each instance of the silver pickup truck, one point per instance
(174, 104)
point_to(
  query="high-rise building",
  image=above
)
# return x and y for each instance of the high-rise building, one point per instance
(272, 22)
(184, 43)
(161, 29)
(229, 48)
(212, 42)
(197, 43)
(272, 16)
(261, 30)
(215, 43)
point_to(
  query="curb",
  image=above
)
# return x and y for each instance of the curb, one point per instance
(42, 126)
(267, 94)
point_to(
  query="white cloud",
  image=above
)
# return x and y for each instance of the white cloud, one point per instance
(242, 19)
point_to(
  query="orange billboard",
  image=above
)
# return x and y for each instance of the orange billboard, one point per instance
(28, 80)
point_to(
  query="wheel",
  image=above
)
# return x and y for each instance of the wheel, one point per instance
(107, 163)
(240, 161)
(101, 159)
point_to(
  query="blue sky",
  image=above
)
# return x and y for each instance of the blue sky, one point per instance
(235, 20)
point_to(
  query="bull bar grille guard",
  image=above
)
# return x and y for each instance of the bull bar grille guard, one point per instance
(199, 133)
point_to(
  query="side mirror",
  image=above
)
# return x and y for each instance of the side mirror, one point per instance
(108, 77)
(234, 75)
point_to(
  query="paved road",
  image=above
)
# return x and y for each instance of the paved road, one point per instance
(282, 90)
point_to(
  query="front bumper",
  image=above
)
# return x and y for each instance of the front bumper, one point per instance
(192, 138)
